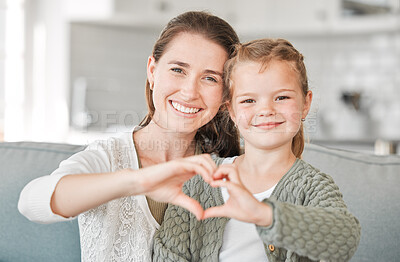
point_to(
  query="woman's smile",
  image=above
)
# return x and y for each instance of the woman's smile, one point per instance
(185, 108)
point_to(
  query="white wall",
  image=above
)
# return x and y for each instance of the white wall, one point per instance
(111, 62)
(2, 62)
(64, 46)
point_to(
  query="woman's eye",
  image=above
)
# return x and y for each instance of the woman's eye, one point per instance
(248, 101)
(209, 78)
(281, 98)
(177, 70)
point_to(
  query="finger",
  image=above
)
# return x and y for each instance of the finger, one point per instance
(189, 204)
(194, 168)
(221, 183)
(227, 171)
(221, 172)
(205, 160)
(219, 211)
(231, 187)
(233, 174)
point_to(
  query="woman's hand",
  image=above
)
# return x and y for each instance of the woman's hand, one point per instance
(163, 182)
(241, 204)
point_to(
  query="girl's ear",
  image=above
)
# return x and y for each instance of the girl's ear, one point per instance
(151, 65)
(231, 112)
(307, 104)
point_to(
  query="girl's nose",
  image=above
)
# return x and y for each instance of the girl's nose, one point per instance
(266, 109)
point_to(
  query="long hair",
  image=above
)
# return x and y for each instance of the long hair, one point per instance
(220, 134)
(264, 51)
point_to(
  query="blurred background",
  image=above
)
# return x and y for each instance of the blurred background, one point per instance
(74, 70)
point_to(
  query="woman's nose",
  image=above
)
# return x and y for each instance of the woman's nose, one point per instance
(190, 90)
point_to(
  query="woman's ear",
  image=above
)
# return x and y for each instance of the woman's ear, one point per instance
(307, 104)
(151, 65)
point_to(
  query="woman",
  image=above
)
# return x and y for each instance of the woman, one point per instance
(118, 203)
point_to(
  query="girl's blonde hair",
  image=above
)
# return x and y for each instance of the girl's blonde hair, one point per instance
(220, 134)
(263, 51)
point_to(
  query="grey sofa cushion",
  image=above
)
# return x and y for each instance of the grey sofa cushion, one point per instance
(370, 187)
(22, 240)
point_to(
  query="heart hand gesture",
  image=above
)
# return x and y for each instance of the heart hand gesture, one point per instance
(241, 204)
(164, 182)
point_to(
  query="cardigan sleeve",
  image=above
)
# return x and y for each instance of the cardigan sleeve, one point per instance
(320, 228)
(34, 200)
(172, 240)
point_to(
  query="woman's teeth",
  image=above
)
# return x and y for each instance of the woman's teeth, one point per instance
(183, 109)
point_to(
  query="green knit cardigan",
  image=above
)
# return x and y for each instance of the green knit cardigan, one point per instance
(310, 222)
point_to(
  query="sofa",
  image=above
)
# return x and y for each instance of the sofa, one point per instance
(369, 184)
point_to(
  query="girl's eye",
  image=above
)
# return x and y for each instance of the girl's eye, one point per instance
(177, 70)
(281, 98)
(211, 79)
(248, 101)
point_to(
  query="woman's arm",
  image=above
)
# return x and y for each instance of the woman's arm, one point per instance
(36, 197)
(58, 196)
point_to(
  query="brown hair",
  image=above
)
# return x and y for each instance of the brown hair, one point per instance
(220, 134)
(263, 51)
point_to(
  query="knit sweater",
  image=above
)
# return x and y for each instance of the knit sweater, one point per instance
(310, 222)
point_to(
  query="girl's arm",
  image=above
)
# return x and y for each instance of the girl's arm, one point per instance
(322, 232)
(322, 229)
(60, 195)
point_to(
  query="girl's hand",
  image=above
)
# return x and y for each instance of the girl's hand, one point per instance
(163, 182)
(241, 204)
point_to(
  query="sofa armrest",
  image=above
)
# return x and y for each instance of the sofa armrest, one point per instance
(22, 240)
(369, 184)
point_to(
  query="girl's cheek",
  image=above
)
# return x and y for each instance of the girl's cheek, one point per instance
(242, 116)
(295, 113)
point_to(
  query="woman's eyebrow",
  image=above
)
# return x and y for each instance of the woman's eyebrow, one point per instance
(209, 71)
(186, 65)
(179, 63)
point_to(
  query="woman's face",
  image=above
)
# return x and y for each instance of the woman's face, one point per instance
(187, 83)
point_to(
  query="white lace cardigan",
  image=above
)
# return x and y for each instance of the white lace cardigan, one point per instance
(120, 230)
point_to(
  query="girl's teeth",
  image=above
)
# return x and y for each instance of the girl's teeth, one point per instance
(183, 109)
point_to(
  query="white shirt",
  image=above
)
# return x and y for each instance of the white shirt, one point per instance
(241, 241)
(120, 230)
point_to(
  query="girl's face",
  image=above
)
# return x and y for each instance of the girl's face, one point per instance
(187, 83)
(268, 106)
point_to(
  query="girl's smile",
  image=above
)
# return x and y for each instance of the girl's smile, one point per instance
(267, 125)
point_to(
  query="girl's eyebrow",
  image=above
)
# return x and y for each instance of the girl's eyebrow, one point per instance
(246, 94)
(255, 93)
(285, 90)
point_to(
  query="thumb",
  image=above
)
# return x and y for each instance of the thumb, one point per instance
(219, 211)
(190, 204)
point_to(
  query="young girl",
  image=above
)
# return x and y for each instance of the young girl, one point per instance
(116, 186)
(281, 208)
